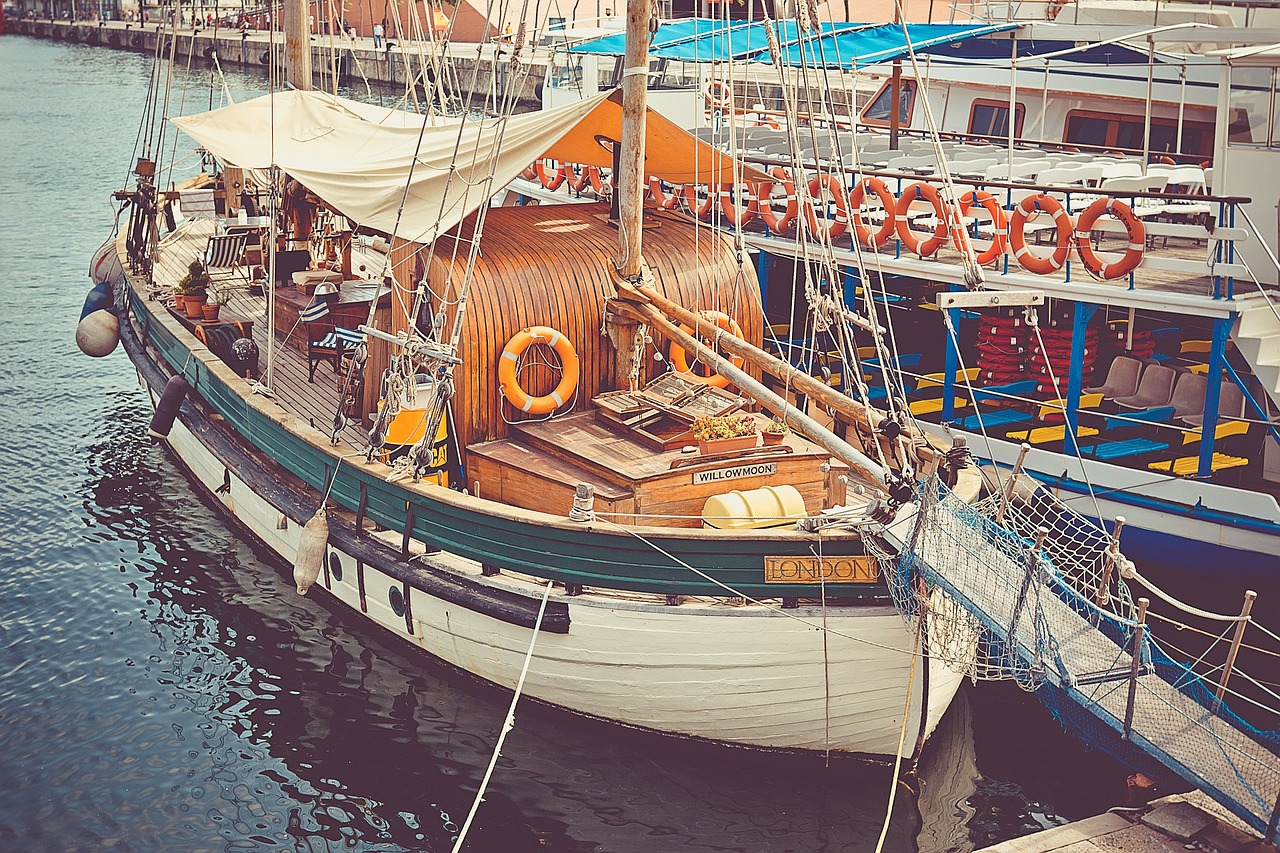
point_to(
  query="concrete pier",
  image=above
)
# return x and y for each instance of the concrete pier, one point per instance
(354, 60)
(1169, 825)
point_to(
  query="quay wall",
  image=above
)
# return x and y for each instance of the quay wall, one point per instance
(354, 60)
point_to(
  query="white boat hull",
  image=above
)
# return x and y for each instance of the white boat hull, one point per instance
(743, 674)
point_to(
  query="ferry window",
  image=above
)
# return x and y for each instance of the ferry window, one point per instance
(878, 111)
(1252, 105)
(991, 118)
(566, 72)
(1084, 129)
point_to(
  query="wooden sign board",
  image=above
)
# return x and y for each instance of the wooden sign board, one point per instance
(793, 570)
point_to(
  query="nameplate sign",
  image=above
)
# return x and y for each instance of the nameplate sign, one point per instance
(737, 472)
(811, 570)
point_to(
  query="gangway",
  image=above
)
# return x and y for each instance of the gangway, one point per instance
(1032, 599)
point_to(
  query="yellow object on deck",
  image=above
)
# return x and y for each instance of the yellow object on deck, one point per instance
(1187, 466)
(755, 509)
(1040, 435)
(406, 429)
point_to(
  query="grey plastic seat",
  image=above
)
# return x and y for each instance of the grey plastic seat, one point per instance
(1154, 389)
(1230, 405)
(1122, 378)
(1188, 395)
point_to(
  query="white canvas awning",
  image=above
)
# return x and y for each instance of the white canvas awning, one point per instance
(360, 159)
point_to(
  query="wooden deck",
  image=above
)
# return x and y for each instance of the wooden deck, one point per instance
(316, 402)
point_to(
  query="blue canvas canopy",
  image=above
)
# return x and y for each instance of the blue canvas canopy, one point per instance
(836, 45)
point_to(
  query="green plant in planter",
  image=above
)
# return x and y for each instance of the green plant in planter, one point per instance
(220, 295)
(776, 427)
(710, 428)
(196, 282)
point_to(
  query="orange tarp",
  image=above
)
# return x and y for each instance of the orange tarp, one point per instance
(671, 153)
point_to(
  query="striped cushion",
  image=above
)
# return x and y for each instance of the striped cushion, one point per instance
(346, 337)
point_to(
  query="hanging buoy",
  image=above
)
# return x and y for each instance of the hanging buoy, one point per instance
(98, 331)
(105, 265)
(175, 391)
(311, 547)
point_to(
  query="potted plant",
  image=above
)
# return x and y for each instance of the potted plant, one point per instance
(195, 287)
(220, 296)
(724, 433)
(775, 431)
(180, 297)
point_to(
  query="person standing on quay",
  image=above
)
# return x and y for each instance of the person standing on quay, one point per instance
(377, 36)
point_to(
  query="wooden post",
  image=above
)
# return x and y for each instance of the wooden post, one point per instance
(297, 44)
(1135, 662)
(1103, 594)
(1249, 597)
(1013, 480)
(630, 177)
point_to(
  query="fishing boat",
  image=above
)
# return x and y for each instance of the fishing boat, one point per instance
(1129, 193)
(461, 422)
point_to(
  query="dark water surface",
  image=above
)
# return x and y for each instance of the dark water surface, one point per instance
(162, 688)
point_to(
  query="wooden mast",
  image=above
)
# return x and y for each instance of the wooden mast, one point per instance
(297, 44)
(630, 188)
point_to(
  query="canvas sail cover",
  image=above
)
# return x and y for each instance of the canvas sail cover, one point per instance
(366, 162)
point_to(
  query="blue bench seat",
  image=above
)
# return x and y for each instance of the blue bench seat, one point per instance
(1000, 417)
(1108, 450)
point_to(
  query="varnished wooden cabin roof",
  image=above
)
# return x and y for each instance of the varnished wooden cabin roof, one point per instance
(552, 265)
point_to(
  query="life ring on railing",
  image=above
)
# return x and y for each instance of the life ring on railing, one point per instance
(660, 198)
(876, 187)
(529, 173)
(1132, 224)
(985, 200)
(1051, 11)
(552, 181)
(578, 176)
(923, 248)
(510, 384)
(719, 96)
(819, 185)
(680, 361)
(597, 182)
(766, 120)
(699, 207)
(733, 214)
(778, 224)
(1028, 260)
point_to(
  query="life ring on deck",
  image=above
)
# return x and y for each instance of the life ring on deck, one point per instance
(699, 207)
(733, 214)
(719, 96)
(660, 198)
(680, 361)
(550, 181)
(985, 200)
(510, 384)
(778, 224)
(819, 185)
(1027, 259)
(923, 248)
(1132, 224)
(876, 187)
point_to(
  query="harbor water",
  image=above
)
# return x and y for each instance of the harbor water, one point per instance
(163, 688)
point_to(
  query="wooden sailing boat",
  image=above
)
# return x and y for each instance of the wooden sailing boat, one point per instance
(661, 597)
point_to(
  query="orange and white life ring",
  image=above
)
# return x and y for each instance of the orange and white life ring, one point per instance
(719, 96)
(1027, 259)
(680, 361)
(660, 197)
(823, 187)
(729, 197)
(777, 223)
(928, 192)
(876, 187)
(698, 200)
(510, 384)
(985, 200)
(579, 176)
(1132, 224)
(766, 120)
(550, 179)
(597, 181)
(1052, 11)
(530, 173)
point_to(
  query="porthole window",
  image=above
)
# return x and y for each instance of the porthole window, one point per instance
(335, 565)
(396, 598)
